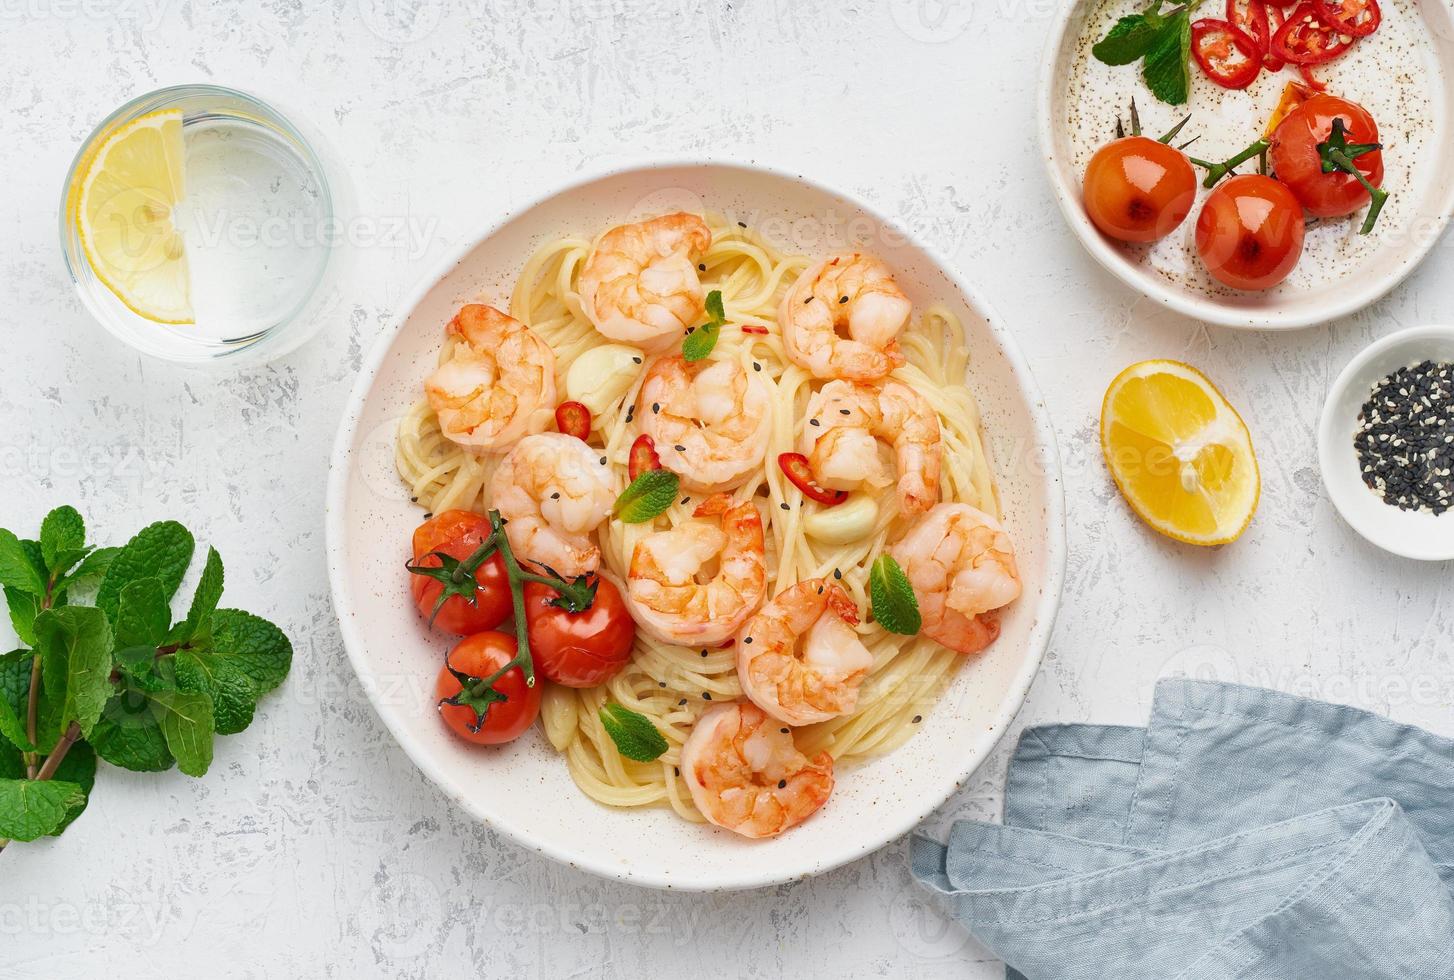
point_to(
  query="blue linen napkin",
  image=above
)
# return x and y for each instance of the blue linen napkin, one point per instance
(1243, 833)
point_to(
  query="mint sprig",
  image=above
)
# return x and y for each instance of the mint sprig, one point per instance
(116, 679)
(635, 736)
(703, 339)
(1161, 42)
(894, 604)
(649, 496)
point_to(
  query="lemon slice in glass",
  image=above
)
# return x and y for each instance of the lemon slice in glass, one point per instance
(1180, 453)
(125, 200)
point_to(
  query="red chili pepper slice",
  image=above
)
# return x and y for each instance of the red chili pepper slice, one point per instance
(1307, 74)
(1226, 53)
(1309, 38)
(1358, 18)
(1276, 17)
(1252, 17)
(754, 328)
(796, 468)
(574, 419)
(643, 457)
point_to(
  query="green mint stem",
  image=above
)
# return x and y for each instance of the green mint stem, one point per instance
(32, 707)
(1216, 171)
(53, 761)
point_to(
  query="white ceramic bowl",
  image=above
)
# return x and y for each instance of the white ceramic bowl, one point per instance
(1340, 272)
(524, 789)
(1412, 534)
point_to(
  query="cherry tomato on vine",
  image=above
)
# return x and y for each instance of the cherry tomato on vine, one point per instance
(1250, 232)
(1138, 189)
(579, 649)
(475, 603)
(479, 716)
(1309, 37)
(1229, 55)
(1298, 148)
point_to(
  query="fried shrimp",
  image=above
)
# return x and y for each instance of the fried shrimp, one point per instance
(846, 420)
(711, 420)
(746, 774)
(961, 565)
(820, 680)
(853, 294)
(498, 387)
(640, 286)
(553, 490)
(663, 588)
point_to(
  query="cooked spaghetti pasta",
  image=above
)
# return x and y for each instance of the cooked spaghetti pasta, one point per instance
(673, 685)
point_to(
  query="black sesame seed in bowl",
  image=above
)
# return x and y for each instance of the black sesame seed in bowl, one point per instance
(1386, 443)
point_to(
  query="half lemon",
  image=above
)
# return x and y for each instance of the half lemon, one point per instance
(125, 198)
(1180, 453)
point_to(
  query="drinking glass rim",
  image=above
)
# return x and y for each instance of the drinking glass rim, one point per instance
(266, 115)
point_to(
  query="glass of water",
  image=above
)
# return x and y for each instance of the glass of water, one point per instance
(197, 224)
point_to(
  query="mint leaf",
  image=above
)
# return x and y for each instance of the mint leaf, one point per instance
(14, 697)
(648, 496)
(143, 615)
(79, 767)
(94, 564)
(699, 342)
(129, 735)
(204, 601)
(894, 604)
(1166, 70)
(161, 551)
(634, 734)
(74, 644)
(62, 533)
(186, 722)
(23, 609)
(258, 649)
(1128, 39)
(17, 570)
(30, 809)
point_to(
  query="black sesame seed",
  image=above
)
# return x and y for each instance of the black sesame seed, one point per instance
(676, 770)
(781, 783)
(844, 411)
(681, 702)
(661, 683)
(918, 718)
(704, 653)
(555, 496)
(706, 695)
(680, 448)
(655, 408)
(747, 639)
(837, 574)
(783, 730)
(814, 422)
(603, 460)
(741, 224)
(637, 360)
(756, 366)
(686, 500)
(784, 505)
(413, 500)
(429, 515)
(842, 300)
(701, 267)
(807, 301)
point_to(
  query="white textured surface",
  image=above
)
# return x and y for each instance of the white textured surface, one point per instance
(313, 848)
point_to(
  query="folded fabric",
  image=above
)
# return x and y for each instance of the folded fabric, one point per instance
(1243, 833)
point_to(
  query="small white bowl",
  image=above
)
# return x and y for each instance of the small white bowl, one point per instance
(1412, 534)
